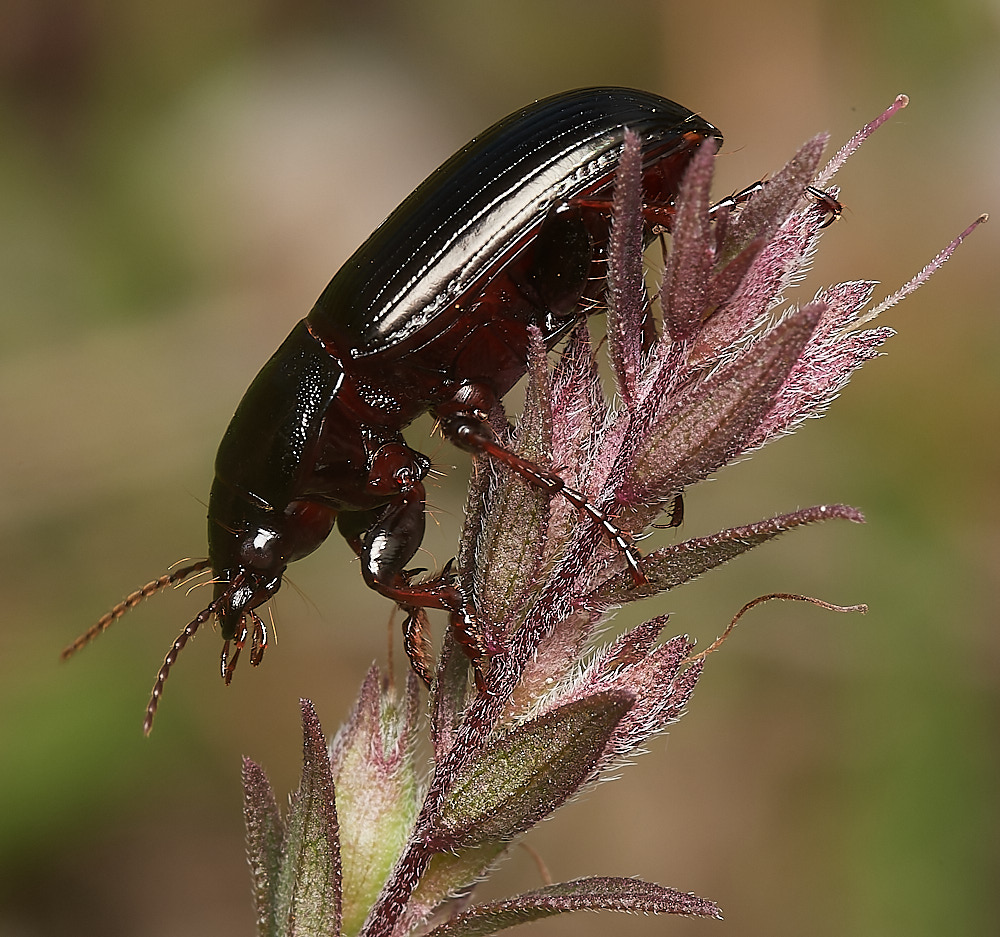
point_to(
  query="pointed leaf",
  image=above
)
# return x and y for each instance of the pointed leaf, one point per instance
(265, 833)
(710, 424)
(662, 696)
(450, 694)
(771, 206)
(724, 281)
(685, 279)
(446, 887)
(580, 414)
(372, 759)
(526, 773)
(726, 321)
(628, 649)
(309, 888)
(651, 675)
(578, 404)
(626, 289)
(588, 894)
(774, 268)
(827, 362)
(513, 537)
(670, 566)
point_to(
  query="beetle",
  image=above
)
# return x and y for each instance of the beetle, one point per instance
(431, 313)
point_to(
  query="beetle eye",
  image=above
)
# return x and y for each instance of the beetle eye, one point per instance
(261, 552)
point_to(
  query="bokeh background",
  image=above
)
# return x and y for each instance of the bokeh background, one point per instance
(177, 184)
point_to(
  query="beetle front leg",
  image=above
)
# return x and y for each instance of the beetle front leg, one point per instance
(387, 539)
(386, 548)
(390, 543)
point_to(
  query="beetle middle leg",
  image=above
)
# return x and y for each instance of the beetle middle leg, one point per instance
(463, 421)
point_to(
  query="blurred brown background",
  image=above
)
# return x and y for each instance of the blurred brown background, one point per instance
(179, 181)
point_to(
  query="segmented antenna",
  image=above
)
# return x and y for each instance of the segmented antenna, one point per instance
(131, 601)
(168, 661)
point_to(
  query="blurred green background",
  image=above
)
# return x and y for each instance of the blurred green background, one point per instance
(179, 181)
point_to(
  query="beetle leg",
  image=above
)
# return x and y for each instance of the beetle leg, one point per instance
(825, 202)
(465, 629)
(737, 198)
(385, 542)
(662, 215)
(654, 213)
(469, 637)
(259, 643)
(227, 664)
(676, 513)
(467, 431)
(439, 592)
(390, 544)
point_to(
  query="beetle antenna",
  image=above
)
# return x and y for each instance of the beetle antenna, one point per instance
(131, 601)
(168, 662)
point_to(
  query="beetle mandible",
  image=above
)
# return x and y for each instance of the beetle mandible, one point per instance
(431, 313)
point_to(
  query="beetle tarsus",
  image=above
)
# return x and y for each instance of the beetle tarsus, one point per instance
(826, 203)
(417, 643)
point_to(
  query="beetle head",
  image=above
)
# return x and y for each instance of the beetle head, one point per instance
(247, 574)
(249, 548)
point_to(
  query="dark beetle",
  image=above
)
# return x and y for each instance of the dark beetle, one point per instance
(431, 313)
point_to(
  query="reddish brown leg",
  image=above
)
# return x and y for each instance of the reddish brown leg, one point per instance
(385, 542)
(467, 429)
(417, 644)
(662, 215)
(676, 514)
